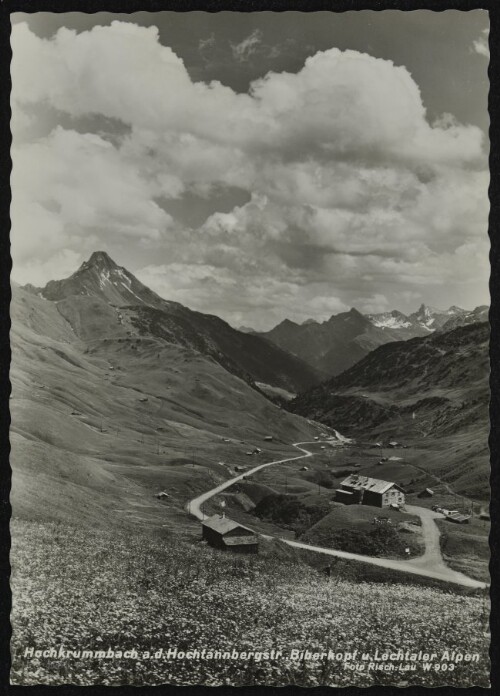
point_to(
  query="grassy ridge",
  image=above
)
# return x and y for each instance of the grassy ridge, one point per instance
(95, 590)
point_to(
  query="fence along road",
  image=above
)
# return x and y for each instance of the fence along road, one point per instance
(436, 570)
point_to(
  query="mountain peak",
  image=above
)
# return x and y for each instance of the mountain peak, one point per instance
(355, 312)
(99, 259)
(286, 323)
(426, 311)
(101, 277)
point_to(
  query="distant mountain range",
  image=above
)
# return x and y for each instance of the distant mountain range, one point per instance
(335, 345)
(101, 298)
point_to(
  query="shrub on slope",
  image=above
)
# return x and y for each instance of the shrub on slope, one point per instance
(289, 511)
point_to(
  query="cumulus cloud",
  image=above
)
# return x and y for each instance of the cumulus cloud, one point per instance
(481, 45)
(69, 187)
(355, 197)
(60, 265)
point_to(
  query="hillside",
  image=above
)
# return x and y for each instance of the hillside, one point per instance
(101, 287)
(151, 593)
(431, 390)
(104, 417)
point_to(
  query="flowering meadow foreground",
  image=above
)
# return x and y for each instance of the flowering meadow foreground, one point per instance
(107, 591)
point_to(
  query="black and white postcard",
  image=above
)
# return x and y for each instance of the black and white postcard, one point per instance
(250, 348)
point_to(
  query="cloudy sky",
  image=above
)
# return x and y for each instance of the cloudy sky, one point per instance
(256, 166)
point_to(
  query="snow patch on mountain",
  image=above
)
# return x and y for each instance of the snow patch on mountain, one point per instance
(387, 321)
(103, 278)
(124, 277)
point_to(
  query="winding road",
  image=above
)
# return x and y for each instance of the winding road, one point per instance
(429, 565)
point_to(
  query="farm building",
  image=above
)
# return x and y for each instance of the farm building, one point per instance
(363, 490)
(426, 493)
(457, 517)
(224, 533)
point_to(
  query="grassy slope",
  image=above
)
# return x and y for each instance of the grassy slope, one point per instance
(344, 519)
(465, 547)
(104, 464)
(430, 393)
(90, 589)
(99, 469)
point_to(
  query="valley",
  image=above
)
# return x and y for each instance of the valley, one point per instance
(430, 393)
(429, 562)
(103, 421)
(110, 423)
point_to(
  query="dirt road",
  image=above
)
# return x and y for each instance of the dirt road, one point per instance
(430, 564)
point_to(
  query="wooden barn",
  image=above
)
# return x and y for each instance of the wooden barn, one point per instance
(457, 517)
(224, 533)
(426, 493)
(363, 490)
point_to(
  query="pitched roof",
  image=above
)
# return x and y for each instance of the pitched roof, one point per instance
(368, 484)
(223, 525)
(457, 516)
